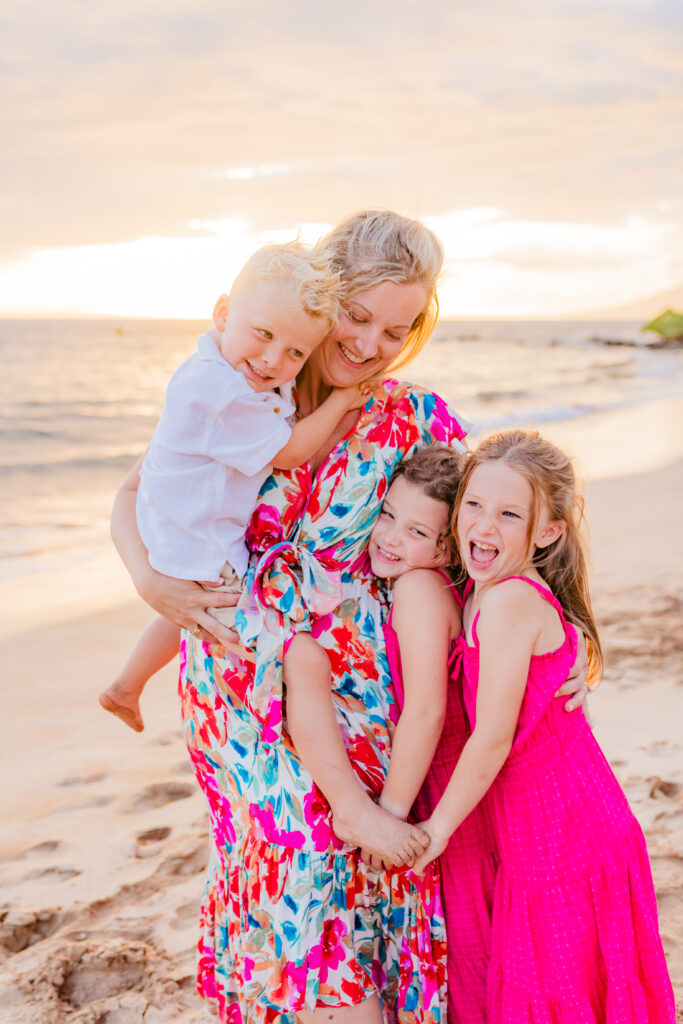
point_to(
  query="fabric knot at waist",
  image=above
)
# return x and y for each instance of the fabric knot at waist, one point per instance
(289, 585)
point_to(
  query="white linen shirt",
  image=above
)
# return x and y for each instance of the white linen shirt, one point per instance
(211, 452)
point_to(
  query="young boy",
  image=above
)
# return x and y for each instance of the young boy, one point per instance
(223, 428)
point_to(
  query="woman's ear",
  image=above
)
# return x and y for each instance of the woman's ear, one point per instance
(220, 312)
(549, 534)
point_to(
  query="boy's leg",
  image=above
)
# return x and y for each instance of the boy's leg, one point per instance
(158, 644)
(313, 726)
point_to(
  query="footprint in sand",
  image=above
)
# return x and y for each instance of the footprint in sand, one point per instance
(148, 844)
(88, 975)
(83, 780)
(82, 805)
(189, 859)
(52, 874)
(20, 929)
(157, 794)
(40, 849)
(166, 739)
(661, 748)
(186, 916)
(664, 787)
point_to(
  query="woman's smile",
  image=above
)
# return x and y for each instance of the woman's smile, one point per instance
(372, 330)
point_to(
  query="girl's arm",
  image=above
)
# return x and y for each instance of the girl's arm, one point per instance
(318, 425)
(426, 619)
(507, 628)
(180, 601)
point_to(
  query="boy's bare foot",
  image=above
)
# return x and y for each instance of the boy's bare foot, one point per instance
(379, 833)
(125, 706)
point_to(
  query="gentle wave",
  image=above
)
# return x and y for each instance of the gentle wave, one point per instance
(80, 399)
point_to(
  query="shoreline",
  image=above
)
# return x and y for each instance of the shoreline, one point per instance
(104, 838)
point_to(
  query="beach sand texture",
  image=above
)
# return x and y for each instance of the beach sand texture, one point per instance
(104, 841)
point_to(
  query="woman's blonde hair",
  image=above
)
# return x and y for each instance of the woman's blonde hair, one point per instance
(374, 246)
(564, 563)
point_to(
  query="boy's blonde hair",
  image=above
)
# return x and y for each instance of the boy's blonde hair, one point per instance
(374, 246)
(316, 280)
(564, 563)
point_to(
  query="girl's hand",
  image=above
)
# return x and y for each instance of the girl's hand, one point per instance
(437, 844)
(576, 686)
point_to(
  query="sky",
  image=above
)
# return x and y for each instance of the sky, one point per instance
(149, 148)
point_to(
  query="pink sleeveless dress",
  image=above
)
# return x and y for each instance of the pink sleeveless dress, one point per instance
(575, 936)
(468, 864)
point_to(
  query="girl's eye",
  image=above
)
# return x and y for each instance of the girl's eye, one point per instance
(386, 513)
(472, 504)
(511, 515)
(418, 533)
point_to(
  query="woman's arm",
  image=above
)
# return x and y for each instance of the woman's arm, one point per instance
(425, 619)
(180, 601)
(507, 629)
(576, 686)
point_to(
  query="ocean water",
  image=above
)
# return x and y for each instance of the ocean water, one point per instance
(80, 399)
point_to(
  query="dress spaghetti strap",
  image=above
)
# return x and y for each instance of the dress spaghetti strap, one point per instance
(545, 593)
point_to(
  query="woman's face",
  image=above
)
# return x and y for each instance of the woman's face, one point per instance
(372, 330)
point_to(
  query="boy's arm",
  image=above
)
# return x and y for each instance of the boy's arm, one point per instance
(425, 620)
(507, 629)
(310, 432)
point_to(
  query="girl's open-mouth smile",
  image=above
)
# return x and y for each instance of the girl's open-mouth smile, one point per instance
(482, 555)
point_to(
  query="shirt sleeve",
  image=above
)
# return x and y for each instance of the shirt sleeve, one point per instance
(246, 435)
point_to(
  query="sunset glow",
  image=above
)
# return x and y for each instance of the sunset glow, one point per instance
(539, 145)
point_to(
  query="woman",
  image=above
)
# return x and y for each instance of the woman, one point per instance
(293, 921)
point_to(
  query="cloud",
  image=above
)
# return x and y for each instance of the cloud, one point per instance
(128, 121)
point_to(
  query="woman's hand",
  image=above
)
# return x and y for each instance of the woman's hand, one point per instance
(179, 601)
(576, 686)
(187, 604)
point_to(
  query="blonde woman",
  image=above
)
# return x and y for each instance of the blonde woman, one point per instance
(294, 924)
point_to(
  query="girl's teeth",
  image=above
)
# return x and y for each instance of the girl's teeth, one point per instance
(482, 553)
(390, 558)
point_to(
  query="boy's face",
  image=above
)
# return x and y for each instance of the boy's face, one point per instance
(265, 334)
(410, 532)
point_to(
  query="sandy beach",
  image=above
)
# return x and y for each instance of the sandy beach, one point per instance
(104, 834)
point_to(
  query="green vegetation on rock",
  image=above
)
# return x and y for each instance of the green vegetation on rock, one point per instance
(668, 325)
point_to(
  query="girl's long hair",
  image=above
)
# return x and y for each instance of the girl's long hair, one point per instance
(564, 563)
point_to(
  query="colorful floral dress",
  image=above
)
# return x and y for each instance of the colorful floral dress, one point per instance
(291, 918)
